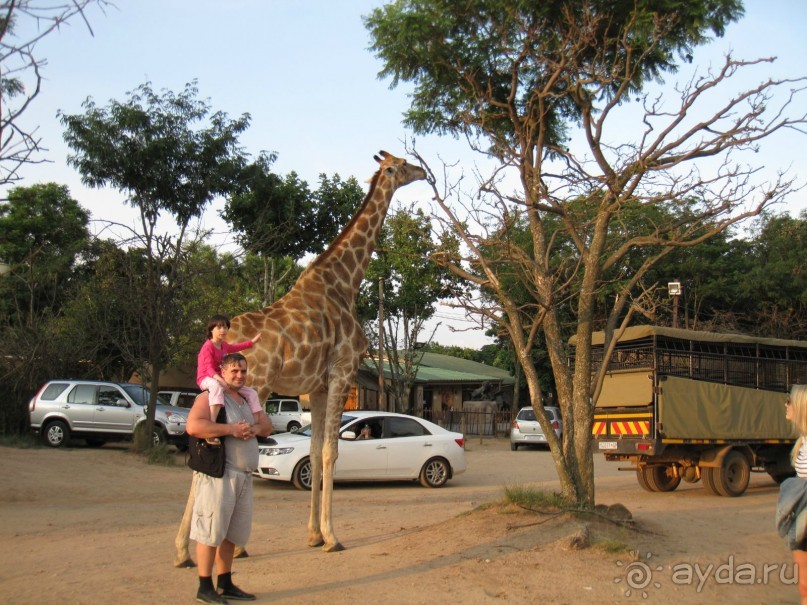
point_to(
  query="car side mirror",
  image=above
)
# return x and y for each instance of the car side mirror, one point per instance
(348, 435)
(123, 403)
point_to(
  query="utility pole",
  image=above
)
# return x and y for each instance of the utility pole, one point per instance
(381, 402)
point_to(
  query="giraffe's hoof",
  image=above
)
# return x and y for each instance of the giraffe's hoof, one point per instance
(185, 563)
(335, 548)
(314, 542)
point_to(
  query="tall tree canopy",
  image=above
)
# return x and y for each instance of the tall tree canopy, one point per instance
(556, 95)
(170, 155)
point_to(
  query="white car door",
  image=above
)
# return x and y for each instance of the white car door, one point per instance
(409, 446)
(362, 458)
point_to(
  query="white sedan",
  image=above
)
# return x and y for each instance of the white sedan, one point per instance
(397, 447)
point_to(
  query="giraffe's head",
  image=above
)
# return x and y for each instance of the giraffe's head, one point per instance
(396, 171)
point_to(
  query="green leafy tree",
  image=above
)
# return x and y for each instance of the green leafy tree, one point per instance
(412, 284)
(44, 265)
(171, 156)
(280, 219)
(549, 93)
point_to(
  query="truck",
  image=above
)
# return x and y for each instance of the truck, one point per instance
(287, 415)
(688, 405)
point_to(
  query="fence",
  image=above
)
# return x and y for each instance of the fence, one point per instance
(486, 424)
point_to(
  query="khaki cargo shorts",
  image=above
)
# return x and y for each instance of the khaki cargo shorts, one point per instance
(223, 508)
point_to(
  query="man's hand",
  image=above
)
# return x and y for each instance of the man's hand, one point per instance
(242, 430)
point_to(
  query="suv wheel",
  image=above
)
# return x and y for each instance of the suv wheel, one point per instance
(158, 437)
(56, 433)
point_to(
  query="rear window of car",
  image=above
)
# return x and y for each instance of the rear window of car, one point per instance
(405, 427)
(53, 390)
(528, 414)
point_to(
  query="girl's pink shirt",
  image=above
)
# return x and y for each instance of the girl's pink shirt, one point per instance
(209, 359)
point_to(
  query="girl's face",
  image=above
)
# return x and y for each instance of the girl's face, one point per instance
(219, 333)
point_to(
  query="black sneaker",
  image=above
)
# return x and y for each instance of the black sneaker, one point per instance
(236, 594)
(208, 595)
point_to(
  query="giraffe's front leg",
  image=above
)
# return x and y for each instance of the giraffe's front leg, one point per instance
(314, 532)
(329, 455)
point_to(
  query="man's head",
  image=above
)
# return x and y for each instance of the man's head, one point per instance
(234, 370)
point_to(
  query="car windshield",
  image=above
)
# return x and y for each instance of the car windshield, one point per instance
(306, 430)
(141, 394)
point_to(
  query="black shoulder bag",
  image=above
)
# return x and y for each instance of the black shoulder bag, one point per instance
(207, 458)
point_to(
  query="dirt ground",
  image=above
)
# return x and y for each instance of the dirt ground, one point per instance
(85, 525)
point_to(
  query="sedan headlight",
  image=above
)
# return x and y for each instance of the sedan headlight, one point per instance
(275, 451)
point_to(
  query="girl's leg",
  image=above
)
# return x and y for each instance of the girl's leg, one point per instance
(251, 395)
(216, 400)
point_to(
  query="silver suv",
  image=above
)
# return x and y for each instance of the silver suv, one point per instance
(99, 411)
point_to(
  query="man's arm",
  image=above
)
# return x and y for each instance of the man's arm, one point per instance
(200, 426)
(263, 424)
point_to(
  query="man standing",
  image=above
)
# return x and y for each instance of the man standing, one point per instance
(222, 512)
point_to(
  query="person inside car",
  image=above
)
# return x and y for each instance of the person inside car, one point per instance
(365, 433)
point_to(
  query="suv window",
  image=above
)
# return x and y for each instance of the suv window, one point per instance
(271, 406)
(109, 395)
(288, 406)
(82, 393)
(53, 390)
(185, 400)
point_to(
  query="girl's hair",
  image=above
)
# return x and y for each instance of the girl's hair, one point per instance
(798, 410)
(215, 321)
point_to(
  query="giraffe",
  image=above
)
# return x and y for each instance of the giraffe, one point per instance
(312, 341)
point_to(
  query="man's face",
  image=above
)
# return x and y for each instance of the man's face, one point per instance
(235, 374)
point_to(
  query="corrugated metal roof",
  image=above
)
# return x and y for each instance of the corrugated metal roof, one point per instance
(436, 368)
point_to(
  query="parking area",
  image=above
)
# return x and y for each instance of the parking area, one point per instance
(84, 524)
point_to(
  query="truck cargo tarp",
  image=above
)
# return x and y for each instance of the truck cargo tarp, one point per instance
(691, 409)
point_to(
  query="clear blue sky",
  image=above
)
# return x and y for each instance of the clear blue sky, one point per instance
(302, 70)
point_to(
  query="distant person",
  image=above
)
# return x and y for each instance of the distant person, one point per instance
(365, 433)
(208, 367)
(791, 510)
(222, 510)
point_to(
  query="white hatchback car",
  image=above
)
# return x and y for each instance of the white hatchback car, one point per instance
(398, 447)
(526, 428)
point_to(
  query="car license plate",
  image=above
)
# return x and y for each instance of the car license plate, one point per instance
(608, 445)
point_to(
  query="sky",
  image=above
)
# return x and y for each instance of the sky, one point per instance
(304, 72)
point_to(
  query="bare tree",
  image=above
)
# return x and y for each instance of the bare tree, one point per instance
(23, 24)
(575, 205)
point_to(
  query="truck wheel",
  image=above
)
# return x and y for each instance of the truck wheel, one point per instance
(293, 427)
(732, 477)
(657, 478)
(708, 479)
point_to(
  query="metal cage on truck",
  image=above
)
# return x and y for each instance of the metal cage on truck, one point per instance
(696, 406)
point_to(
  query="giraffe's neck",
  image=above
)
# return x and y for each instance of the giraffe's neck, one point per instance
(345, 261)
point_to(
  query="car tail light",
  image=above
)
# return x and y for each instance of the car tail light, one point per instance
(555, 425)
(32, 405)
(515, 424)
(460, 442)
(643, 446)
